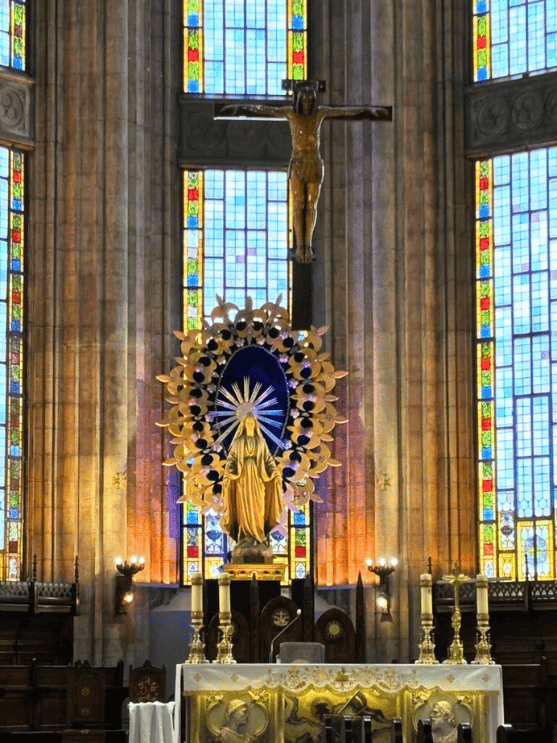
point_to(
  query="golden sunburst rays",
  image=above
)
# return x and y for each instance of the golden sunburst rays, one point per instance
(238, 404)
(204, 412)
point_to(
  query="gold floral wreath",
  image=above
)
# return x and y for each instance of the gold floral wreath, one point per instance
(192, 386)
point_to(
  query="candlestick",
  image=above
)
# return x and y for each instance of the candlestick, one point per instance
(426, 594)
(224, 593)
(224, 648)
(482, 601)
(427, 646)
(197, 646)
(197, 592)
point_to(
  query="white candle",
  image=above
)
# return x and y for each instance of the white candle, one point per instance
(426, 593)
(197, 592)
(482, 601)
(224, 593)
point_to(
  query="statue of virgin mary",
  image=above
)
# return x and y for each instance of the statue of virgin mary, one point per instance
(252, 489)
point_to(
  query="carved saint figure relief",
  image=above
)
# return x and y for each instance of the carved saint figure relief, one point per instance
(443, 723)
(237, 721)
(252, 489)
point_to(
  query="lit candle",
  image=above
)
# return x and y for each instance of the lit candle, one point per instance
(224, 593)
(482, 601)
(197, 592)
(426, 593)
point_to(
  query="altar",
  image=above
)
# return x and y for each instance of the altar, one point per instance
(268, 703)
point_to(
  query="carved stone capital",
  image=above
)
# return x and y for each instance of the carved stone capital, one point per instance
(508, 115)
(15, 110)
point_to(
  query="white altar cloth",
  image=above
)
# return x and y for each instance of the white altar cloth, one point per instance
(385, 679)
(151, 722)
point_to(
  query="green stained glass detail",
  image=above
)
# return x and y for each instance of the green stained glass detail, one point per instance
(485, 316)
(192, 208)
(482, 25)
(16, 251)
(484, 258)
(482, 58)
(486, 353)
(18, 15)
(487, 471)
(193, 6)
(485, 289)
(193, 40)
(298, 72)
(297, 7)
(193, 70)
(484, 168)
(488, 533)
(484, 231)
(193, 298)
(486, 438)
(192, 266)
(193, 180)
(297, 42)
(192, 323)
(488, 500)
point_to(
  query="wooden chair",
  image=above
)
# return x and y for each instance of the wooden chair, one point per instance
(396, 730)
(147, 683)
(85, 704)
(425, 734)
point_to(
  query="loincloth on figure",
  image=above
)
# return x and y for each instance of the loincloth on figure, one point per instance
(306, 169)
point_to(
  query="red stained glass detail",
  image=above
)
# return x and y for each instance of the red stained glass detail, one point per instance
(16, 177)
(484, 243)
(193, 551)
(486, 363)
(486, 424)
(16, 298)
(193, 194)
(18, 31)
(298, 57)
(485, 303)
(14, 484)
(193, 55)
(488, 550)
(300, 551)
(16, 236)
(487, 486)
(481, 42)
(484, 184)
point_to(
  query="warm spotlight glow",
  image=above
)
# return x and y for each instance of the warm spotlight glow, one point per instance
(128, 597)
(142, 561)
(382, 603)
(394, 562)
(369, 562)
(118, 561)
(382, 562)
(134, 560)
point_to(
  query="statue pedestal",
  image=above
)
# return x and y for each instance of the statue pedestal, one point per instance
(262, 571)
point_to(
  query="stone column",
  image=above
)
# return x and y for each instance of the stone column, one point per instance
(392, 281)
(103, 276)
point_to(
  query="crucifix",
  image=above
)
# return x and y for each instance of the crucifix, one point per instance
(456, 651)
(305, 169)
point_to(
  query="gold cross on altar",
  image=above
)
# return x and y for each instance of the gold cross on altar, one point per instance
(456, 579)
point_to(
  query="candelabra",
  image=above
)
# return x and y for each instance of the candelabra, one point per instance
(125, 587)
(382, 570)
(197, 646)
(224, 648)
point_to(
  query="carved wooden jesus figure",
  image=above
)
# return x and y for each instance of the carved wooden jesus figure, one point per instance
(305, 170)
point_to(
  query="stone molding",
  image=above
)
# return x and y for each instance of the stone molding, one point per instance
(245, 142)
(505, 116)
(15, 110)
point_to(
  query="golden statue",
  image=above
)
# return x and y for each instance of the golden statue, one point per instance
(252, 490)
(305, 170)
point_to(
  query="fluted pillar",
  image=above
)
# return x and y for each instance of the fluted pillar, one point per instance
(106, 254)
(394, 259)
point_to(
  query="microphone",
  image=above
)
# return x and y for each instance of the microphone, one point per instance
(276, 637)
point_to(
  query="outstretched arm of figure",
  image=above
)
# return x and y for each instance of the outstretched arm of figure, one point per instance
(358, 113)
(259, 111)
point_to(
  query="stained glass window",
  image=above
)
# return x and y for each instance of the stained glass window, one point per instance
(236, 243)
(516, 234)
(235, 240)
(243, 47)
(12, 33)
(512, 37)
(11, 361)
